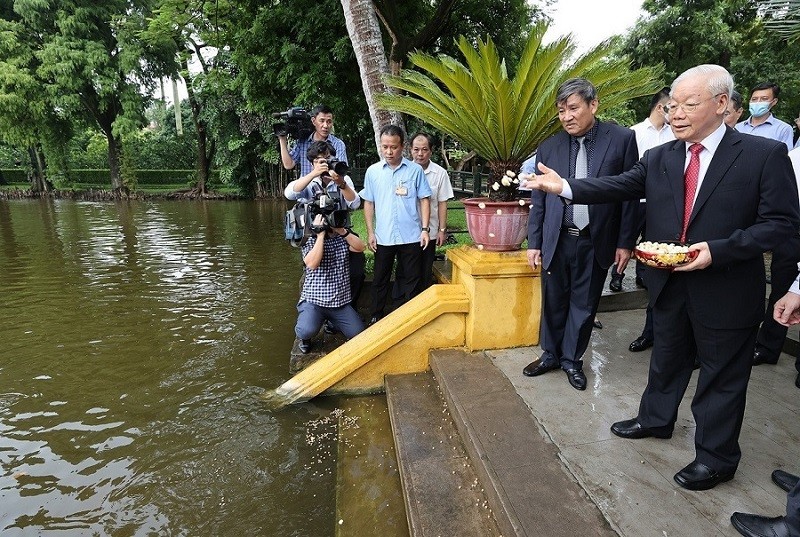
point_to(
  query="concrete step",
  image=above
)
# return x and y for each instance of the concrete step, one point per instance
(442, 494)
(369, 496)
(528, 487)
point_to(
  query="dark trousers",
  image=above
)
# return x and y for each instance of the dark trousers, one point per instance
(571, 288)
(311, 316)
(409, 260)
(725, 362)
(428, 257)
(358, 264)
(783, 272)
(793, 510)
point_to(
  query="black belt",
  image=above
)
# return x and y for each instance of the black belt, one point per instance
(575, 232)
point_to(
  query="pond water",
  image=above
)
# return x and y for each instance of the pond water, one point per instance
(136, 340)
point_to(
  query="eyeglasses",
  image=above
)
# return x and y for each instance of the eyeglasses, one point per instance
(688, 108)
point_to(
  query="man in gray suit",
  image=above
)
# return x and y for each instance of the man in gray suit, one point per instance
(575, 245)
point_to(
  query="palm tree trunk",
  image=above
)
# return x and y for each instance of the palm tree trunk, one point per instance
(365, 34)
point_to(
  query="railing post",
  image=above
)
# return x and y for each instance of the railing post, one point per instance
(476, 182)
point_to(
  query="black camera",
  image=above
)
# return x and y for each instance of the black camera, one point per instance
(338, 166)
(333, 210)
(295, 122)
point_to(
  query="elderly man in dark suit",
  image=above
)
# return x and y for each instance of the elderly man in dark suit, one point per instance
(731, 197)
(577, 244)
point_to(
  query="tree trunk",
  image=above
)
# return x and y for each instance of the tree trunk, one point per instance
(114, 152)
(205, 149)
(38, 181)
(365, 34)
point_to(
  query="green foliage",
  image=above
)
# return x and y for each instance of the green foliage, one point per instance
(735, 34)
(504, 118)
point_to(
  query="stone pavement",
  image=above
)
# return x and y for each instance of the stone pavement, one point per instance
(631, 480)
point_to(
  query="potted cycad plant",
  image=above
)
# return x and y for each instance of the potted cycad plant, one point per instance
(503, 117)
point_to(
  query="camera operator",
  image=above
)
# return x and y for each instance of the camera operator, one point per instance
(321, 178)
(326, 287)
(322, 119)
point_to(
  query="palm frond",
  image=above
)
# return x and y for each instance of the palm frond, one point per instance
(504, 119)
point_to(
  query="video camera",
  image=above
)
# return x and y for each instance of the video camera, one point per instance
(296, 122)
(338, 166)
(333, 210)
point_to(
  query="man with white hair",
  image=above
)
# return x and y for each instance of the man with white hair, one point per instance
(731, 197)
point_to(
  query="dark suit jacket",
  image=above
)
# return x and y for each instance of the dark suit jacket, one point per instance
(612, 225)
(746, 205)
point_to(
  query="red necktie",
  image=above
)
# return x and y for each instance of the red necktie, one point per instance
(690, 184)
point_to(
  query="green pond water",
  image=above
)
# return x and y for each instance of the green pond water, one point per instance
(135, 340)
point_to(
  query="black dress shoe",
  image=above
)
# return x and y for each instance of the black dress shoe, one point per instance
(534, 369)
(615, 284)
(698, 476)
(577, 379)
(640, 344)
(763, 357)
(760, 526)
(634, 429)
(304, 346)
(797, 381)
(597, 324)
(784, 480)
(640, 282)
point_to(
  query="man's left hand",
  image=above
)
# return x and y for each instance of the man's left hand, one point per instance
(621, 258)
(440, 238)
(702, 260)
(424, 239)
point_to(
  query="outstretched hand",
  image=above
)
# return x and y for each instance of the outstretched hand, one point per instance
(548, 181)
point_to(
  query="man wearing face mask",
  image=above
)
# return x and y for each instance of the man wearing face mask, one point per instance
(761, 122)
(783, 266)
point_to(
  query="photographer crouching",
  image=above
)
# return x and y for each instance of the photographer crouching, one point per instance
(326, 292)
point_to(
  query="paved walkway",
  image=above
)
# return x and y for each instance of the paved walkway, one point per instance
(631, 480)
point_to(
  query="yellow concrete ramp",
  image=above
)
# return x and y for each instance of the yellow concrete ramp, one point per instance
(398, 343)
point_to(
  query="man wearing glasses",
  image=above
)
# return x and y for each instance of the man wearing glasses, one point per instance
(731, 197)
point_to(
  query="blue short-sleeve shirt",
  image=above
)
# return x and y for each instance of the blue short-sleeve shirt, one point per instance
(397, 217)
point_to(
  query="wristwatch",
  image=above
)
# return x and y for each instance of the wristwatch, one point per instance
(426, 228)
(443, 229)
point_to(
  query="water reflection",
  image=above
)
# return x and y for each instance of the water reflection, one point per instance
(137, 338)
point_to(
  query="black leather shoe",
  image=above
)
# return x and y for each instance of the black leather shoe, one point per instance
(797, 381)
(597, 324)
(577, 379)
(763, 357)
(534, 369)
(640, 282)
(760, 526)
(784, 480)
(304, 346)
(698, 476)
(640, 344)
(615, 284)
(634, 429)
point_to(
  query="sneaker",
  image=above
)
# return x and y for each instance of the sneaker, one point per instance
(329, 328)
(304, 346)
